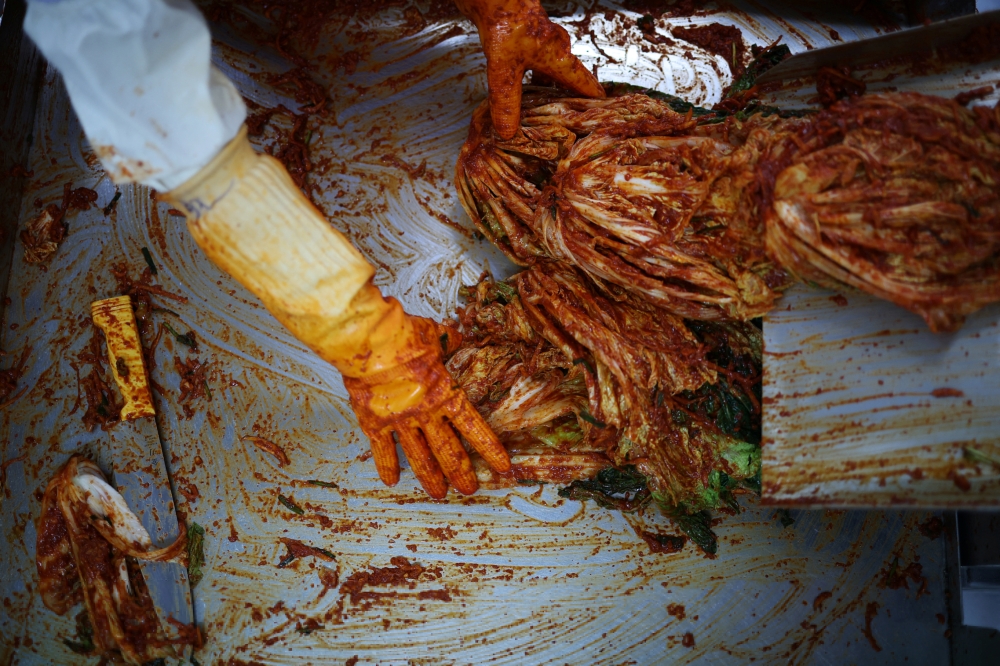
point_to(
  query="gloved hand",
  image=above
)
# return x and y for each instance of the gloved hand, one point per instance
(517, 35)
(419, 402)
(247, 215)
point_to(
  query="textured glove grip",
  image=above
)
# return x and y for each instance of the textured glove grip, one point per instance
(247, 215)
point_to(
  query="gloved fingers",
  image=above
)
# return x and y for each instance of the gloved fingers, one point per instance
(559, 64)
(475, 429)
(386, 459)
(422, 461)
(452, 458)
(504, 78)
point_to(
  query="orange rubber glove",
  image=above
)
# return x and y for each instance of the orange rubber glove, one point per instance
(517, 35)
(247, 215)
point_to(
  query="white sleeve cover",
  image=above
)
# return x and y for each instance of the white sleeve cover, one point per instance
(140, 78)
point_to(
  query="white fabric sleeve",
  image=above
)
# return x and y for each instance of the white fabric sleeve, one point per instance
(140, 78)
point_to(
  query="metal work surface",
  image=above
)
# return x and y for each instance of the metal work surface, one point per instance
(509, 576)
(866, 407)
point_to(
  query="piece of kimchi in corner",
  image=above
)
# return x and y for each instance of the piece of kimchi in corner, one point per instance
(88, 549)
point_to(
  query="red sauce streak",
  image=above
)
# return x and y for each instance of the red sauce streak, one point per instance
(438, 595)
(960, 481)
(268, 447)
(721, 40)
(895, 578)
(663, 543)
(401, 573)
(975, 93)
(188, 490)
(657, 8)
(297, 549)
(82, 198)
(442, 533)
(947, 393)
(933, 528)
(870, 612)
(310, 95)
(820, 600)
(7, 463)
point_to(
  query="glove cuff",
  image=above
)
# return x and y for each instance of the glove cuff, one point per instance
(247, 215)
